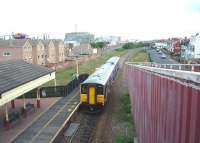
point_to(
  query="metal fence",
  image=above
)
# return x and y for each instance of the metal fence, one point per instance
(166, 109)
(58, 91)
(183, 67)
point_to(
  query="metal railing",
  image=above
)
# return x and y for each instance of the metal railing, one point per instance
(185, 67)
(58, 91)
(188, 72)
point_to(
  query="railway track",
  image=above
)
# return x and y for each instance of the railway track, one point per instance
(46, 128)
(88, 127)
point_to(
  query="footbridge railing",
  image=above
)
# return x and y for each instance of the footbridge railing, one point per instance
(165, 102)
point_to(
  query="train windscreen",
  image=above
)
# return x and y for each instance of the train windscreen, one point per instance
(84, 89)
(99, 90)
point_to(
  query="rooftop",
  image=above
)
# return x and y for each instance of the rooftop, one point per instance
(16, 73)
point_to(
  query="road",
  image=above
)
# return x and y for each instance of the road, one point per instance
(156, 57)
(111, 48)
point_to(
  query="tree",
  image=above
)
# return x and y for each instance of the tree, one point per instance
(93, 45)
(98, 45)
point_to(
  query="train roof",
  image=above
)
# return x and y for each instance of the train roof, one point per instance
(102, 74)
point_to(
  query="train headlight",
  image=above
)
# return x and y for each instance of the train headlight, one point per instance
(83, 98)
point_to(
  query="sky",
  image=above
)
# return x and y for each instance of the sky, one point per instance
(135, 19)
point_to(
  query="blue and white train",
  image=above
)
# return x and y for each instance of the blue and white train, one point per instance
(94, 90)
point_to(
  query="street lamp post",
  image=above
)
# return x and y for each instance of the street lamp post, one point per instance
(77, 69)
(77, 74)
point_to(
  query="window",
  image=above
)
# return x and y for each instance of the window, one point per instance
(99, 90)
(38, 57)
(42, 56)
(6, 54)
(84, 89)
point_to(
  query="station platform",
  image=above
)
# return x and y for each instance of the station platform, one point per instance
(23, 122)
(46, 128)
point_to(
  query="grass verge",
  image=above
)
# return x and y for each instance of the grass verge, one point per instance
(125, 121)
(66, 75)
(142, 56)
(125, 125)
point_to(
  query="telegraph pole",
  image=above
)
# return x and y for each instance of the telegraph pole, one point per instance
(75, 28)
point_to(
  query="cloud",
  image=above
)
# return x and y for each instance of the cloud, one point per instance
(142, 19)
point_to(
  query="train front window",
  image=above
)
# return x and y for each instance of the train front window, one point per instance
(84, 89)
(99, 89)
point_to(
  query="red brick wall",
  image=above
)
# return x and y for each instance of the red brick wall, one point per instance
(15, 53)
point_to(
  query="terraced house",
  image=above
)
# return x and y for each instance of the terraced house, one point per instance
(39, 52)
(16, 49)
(60, 50)
(51, 51)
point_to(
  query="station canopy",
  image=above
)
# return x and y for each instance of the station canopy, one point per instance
(19, 77)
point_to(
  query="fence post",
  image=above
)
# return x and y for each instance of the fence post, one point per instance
(67, 90)
(179, 67)
(192, 67)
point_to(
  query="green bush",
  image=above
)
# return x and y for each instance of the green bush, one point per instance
(120, 49)
(125, 109)
(123, 139)
(131, 45)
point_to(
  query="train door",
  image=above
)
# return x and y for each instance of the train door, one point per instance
(92, 95)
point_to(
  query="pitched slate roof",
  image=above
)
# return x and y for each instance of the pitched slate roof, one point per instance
(34, 42)
(16, 73)
(46, 42)
(56, 42)
(13, 43)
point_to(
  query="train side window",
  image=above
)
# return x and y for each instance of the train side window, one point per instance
(99, 89)
(84, 89)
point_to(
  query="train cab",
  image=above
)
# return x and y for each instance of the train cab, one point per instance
(94, 90)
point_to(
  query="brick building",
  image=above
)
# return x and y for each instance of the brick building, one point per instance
(16, 49)
(60, 50)
(41, 52)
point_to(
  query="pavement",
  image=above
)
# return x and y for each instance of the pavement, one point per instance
(7, 135)
(50, 123)
(156, 57)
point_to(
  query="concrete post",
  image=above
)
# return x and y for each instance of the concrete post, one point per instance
(7, 123)
(7, 118)
(55, 84)
(24, 108)
(179, 67)
(77, 74)
(38, 97)
(192, 68)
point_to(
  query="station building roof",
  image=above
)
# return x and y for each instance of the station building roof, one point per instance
(18, 77)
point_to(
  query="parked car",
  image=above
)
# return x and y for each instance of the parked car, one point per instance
(163, 56)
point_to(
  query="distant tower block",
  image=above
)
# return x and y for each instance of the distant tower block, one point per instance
(76, 28)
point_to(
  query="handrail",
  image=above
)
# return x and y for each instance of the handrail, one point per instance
(185, 67)
(180, 74)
